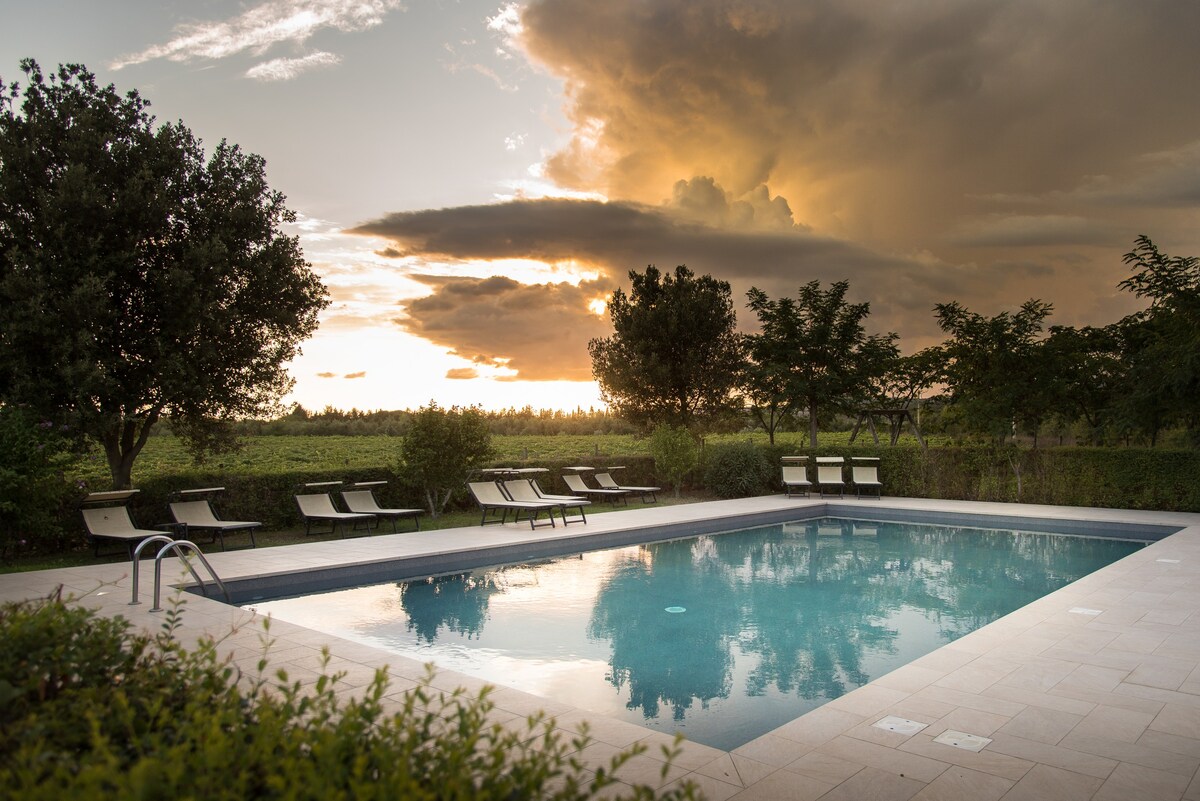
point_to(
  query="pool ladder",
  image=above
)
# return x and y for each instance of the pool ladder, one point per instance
(178, 546)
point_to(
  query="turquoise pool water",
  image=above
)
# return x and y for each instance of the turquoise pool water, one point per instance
(722, 637)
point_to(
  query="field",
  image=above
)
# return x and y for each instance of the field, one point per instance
(164, 456)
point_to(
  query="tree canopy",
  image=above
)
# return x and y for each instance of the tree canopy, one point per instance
(675, 354)
(138, 278)
(996, 375)
(813, 352)
(441, 448)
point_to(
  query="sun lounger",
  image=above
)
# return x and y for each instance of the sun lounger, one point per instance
(492, 502)
(575, 484)
(360, 498)
(864, 474)
(829, 475)
(605, 480)
(113, 522)
(522, 490)
(795, 475)
(193, 509)
(318, 507)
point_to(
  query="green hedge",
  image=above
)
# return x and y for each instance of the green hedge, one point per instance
(1133, 478)
(93, 710)
(1124, 478)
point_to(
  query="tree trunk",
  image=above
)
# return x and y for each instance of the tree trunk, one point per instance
(812, 422)
(432, 501)
(122, 442)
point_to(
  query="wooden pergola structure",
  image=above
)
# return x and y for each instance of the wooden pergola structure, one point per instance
(895, 418)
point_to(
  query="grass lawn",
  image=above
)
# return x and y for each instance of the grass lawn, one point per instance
(292, 536)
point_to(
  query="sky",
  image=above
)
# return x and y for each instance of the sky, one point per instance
(472, 179)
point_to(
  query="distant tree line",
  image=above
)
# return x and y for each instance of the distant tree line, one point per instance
(525, 421)
(676, 359)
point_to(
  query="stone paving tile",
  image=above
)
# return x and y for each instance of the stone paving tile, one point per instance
(825, 768)
(899, 763)
(773, 750)
(958, 783)
(712, 789)
(1193, 791)
(1039, 674)
(1045, 782)
(1114, 724)
(1166, 674)
(869, 700)
(1133, 753)
(986, 761)
(821, 725)
(1144, 784)
(1162, 741)
(1066, 758)
(1042, 700)
(784, 785)
(972, 721)
(1178, 720)
(870, 784)
(970, 700)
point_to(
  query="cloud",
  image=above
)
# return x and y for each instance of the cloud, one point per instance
(530, 332)
(326, 375)
(886, 124)
(1024, 230)
(284, 69)
(617, 237)
(262, 26)
(359, 374)
(462, 373)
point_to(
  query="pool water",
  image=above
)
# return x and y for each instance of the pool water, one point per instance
(721, 637)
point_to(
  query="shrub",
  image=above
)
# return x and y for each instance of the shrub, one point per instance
(738, 470)
(33, 489)
(675, 453)
(95, 711)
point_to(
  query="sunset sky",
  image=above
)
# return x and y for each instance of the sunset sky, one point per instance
(473, 178)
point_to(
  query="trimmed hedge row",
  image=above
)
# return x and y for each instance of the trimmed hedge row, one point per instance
(1126, 478)
(1131, 478)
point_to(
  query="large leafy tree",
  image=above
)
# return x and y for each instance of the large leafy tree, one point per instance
(1162, 343)
(813, 352)
(997, 374)
(138, 278)
(675, 354)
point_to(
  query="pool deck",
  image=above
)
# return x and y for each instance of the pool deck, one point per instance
(1092, 692)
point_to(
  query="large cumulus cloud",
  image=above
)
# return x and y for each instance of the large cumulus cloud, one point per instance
(985, 152)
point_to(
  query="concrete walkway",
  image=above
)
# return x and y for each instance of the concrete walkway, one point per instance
(1092, 692)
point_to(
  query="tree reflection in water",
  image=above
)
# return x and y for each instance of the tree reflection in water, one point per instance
(777, 619)
(456, 603)
(814, 603)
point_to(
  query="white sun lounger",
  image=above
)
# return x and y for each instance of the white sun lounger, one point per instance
(361, 499)
(795, 475)
(575, 484)
(492, 502)
(522, 490)
(829, 475)
(864, 474)
(113, 522)
(605, 480)
(318, 507)
(200, 516)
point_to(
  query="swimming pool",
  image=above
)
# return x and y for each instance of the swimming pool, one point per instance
(722, 637)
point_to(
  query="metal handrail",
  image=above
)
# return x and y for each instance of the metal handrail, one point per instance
(137, 560)
(176, 546)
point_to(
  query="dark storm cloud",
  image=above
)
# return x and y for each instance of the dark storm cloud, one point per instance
(540, 331)
(985, 152)
(618, 237)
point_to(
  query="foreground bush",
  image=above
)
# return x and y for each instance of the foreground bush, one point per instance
(96, 711)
